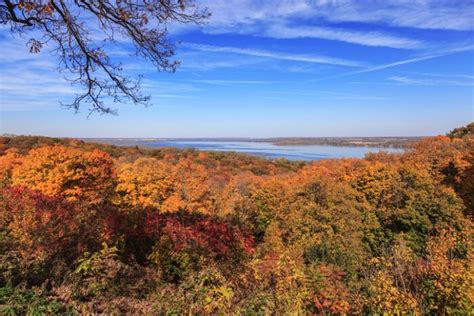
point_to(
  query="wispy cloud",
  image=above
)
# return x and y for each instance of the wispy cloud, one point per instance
(309, 19)
(417, 59)
(372, 38)
(276, 55)
(460, 49)
(429, 82)
(27, 104)
(28, 82)
(169, 87)
(423, 14)
(171, 96)
(231, 82)
(199, 61)
(443, 75)
(329, 95)
(249, 15)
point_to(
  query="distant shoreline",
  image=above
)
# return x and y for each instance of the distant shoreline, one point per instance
(385, 142)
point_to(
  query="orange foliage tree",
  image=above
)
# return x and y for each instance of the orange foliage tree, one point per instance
(190, 189)
(63, 171)
(149, 182)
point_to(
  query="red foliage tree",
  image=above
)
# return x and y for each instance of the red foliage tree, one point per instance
(186, 231)
(42, 225)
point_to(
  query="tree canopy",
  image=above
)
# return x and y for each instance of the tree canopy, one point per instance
(98, 229)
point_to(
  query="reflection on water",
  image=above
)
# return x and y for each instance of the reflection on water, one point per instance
(271, 151)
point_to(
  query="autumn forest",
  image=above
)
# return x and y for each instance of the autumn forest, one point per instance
(319, 187)
(90, 228)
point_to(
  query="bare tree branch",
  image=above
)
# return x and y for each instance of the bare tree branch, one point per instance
(66, 26)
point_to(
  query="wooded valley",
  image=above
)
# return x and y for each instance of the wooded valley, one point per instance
(93, 228)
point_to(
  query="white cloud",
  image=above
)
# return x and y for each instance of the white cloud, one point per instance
(275, 55)
(30, 81)
(171, 96)
(231, 82)
(429, 82)
(168, 87)
(325, 19)
(208, 61)
(443, 75)
(206, 65)
(355, 37)
(33, 83)
(437, 54)
(434, 14)
(424, 14)
(329, 95)
(19, 105)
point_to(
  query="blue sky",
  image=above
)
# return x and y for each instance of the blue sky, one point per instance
(273, 68)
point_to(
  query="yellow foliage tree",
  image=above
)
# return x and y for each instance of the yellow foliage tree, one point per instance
(71, 173)
(451, 267)
(145, 182)
(7, 162)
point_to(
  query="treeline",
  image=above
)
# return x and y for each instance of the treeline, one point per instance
(90, 228)
(386, 142)
(394, 142)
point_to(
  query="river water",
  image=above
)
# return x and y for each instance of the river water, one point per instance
(271, 151)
